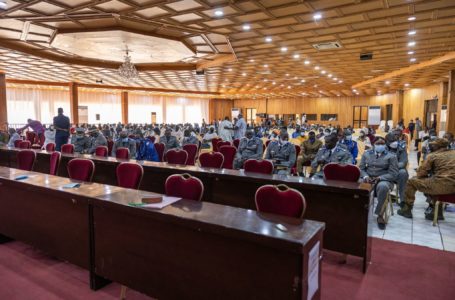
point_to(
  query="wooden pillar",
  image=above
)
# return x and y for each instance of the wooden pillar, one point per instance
(3, 106)
(400, 101)
(124, 107)
(451, 103)
(74, 103)
(442, 101)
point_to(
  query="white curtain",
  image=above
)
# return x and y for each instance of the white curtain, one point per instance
(35, 103)
(141, 106)
(105, 104)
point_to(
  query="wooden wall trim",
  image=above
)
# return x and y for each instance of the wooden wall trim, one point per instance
(124, 103)
(74, 102)
(3, 104)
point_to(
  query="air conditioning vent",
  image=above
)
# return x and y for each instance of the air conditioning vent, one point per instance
(327, 46)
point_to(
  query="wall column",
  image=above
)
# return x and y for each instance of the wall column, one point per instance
(3, 106)
(74, 102)
(451, 103)
(442, 100)
(400, 101)
(124, 107)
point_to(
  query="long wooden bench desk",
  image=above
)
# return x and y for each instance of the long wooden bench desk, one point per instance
(343, 206)
(189, 249)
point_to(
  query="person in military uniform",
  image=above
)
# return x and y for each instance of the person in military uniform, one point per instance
(282, 153)
(123, 141)
(189, 138)
(331, 152)
(380, 168)
(80, 141)
(449, 137)
(250, 147)
(395, 147)
(345, 139)
(169, 141)
(309, 149)
(96, 139)
(436, 176)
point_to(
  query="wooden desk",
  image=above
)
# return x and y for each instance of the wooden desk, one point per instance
(343, 206)
(187, 250)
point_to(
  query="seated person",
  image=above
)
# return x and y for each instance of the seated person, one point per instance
(208, 137)
(436, 176)
(156, 133)
(169, 141)
(393, 145)
(189, 138)
(80, 141)
(380, 168)
(330, 152)
(4, 138)
(346, 140)
(309, 150)
(96, 139)
(123, 141)
(250, 147)
(282, 153)
(449, 137)
(13, 136)
(49, 136)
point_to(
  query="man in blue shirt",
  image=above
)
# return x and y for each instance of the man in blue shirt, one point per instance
(350, 145)
(62, 129)
(240, 128)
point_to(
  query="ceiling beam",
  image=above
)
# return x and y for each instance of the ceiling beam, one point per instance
(219, 59)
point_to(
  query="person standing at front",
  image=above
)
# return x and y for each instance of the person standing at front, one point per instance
(62, 129)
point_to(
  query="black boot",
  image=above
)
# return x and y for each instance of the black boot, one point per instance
(429, 213)
(406, 211)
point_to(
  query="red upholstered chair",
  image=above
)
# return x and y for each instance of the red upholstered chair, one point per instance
(101, 151)
(54, 162)
(229, 155)
(122, 153)
(176, 156)
(25, 145)
(50, 147)
(30, 136)
(26, 159)
(280, 200)
(160, 150)
(211, 160)
(129, 175)
(17, 142)
(191, 149)
(441, 199)
(81, 169)
(68, 148)
(334, 171)
(258, 166)
(297, 152)
(221, 144)
(184, 186)
(215, 142)
(236, 143)
(110, 145)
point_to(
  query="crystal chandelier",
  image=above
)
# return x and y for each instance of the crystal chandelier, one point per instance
(127, 71)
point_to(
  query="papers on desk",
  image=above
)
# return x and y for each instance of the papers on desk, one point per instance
(167, 200)
(313, 271)
(71, 185)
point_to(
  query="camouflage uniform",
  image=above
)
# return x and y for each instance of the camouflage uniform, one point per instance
(309, 151)
(248, 149)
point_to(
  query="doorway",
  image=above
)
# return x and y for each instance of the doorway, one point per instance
(360, 116)
(431, 113)
(388, 112)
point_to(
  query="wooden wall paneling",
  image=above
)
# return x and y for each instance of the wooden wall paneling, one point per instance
(451, 103)
(443, 91)
(219, 109)
(3, 106)
(124, 105)
(414, 101)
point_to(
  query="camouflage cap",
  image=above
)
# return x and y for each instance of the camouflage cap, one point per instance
(440, 143)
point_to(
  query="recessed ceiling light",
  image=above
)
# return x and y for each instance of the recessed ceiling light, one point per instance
(330, 75)
(406, 84)
(387, 82)
(287, 74)
(412, 18)
(303, 80)
(289, 86)
(229, 70)
(412, 59)
(316, 68)
(268, 39)
(274, 83)
(323, 72)
(412, 32)
(243, 74)
(317, 16)
(295, 78)
(334, 78)
(354, 90)
(246, 27)
(284, 49)
(296, 56)
(411, 44)
(340, 81)
(266, 66)
(219, 13)
(315, 85)
(307, 62)
(410, 52)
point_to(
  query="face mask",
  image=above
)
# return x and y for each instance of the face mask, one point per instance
(433, 137)
(125, 140)
(326, 133)
(79, 136)
(379, 148)
(283, 142)
(302, 134)
(348, 137)
(394, 145)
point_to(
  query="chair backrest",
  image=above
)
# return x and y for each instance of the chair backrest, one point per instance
(191, 149)
(26, 159)
(184, 186)
(122, 153)
(50, 147)
(221, 144)
(81, 169)
(334, 171)
(110, 145)
(176, 156)
(17, 142)
(280, 200)
(41, 140)
(129, 175)
(229, 155)
(211, 160)
(160, 150)
(101, 151)
(236, 143)
(258, 166)
(30, 136)
(25, 145)
(54, 162)
(68, 148)
(215, 142)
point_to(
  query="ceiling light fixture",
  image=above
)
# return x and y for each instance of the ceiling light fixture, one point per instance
(268, 39)
(296, 56)
(411, 18)
(412, 59)
(243, 74)
(406, 84)
(284, 49)
(3, 5)
(317, 16)
(340, 81)
(330, 75)
(387, 82)
(306, 62)
(246, 27)
(303, 80)
(323, 72)
(411, 44)
(127, 71)
(266, 66)
(412, 32)
(410, 52)
(219, 13)
(316, 68)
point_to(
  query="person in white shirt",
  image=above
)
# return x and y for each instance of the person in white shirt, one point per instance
(225, 129)
(49, 136)
(14, 136)
(209, 136)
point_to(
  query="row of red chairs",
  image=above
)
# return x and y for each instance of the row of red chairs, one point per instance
(278, 199)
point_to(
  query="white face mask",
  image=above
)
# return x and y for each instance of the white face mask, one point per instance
(394, 145)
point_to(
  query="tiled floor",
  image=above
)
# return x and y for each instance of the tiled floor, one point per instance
(418, 230)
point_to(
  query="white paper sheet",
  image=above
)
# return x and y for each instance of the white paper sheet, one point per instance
(313, 271)
(166, 201)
